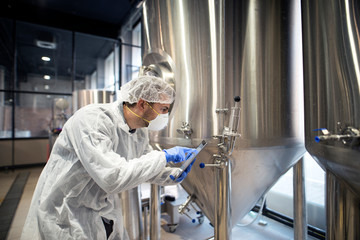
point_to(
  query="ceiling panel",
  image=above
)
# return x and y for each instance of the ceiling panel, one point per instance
(98, 17)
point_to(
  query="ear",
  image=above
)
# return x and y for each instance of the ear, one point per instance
(141, 104)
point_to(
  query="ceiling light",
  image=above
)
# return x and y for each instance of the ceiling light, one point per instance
(47, 87)
(47, 77)
(45, 44)
(46, 59)
(45, 39)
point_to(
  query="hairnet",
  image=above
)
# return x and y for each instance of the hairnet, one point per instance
(148, 88)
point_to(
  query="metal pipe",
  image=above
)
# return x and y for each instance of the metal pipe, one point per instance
(186, 204)
(145, 216)
(131, 205)
(223, 202)
(342, 210)
(155, 212)
(300, 219)
(235, 116)
(334, 137)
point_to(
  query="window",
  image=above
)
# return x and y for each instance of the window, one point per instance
(6, 66)
(44, 59)
(95, 62)
(50, 64)
(38, 114)
(131, 53)
(280, 196)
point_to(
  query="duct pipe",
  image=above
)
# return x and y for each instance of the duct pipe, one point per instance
(300, 219)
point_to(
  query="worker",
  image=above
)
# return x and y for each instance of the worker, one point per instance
(103, 150)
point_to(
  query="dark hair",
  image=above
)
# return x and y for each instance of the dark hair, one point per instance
(130, 104)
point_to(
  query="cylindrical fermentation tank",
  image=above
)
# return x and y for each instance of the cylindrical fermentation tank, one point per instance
(213, 51)
(130, 199)
(89, 96)
(332, 113)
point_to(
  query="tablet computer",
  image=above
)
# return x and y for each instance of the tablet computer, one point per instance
(188, 161)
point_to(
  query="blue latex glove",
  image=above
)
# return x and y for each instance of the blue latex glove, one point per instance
(178, 154)
(184, 174)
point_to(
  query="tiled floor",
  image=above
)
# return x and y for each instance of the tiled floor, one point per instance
(186, 230)
(21, 212)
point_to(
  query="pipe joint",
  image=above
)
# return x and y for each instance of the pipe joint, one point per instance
(348, 135)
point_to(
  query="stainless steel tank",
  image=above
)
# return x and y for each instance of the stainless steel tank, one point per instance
(214, 51)
(331, 43)
(130, 199)
(88, 96)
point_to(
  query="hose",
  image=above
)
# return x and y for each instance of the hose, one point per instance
(258, 215)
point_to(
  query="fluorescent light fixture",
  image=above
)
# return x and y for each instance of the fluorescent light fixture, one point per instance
(46, 59)
(47, 77)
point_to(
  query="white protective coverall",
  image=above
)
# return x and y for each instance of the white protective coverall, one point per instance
(94, 158)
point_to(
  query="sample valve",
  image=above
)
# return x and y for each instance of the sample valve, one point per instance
(218, 162)
(230, 133)
(349, 136)
(227, 139)
(184, 208)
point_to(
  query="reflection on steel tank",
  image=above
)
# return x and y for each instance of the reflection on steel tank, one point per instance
(59, 117)
(332, 113)
(212, 52)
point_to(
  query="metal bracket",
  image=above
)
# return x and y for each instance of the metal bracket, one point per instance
(222, 110)
(185, 129)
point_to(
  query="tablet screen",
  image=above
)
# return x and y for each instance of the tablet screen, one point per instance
(192, 157)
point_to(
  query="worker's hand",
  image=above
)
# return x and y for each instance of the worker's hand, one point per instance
(184, 174)
(178, 154)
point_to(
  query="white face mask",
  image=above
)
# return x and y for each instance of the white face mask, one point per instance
(159, 123)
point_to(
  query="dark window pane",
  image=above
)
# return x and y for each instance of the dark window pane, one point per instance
(44, 59)
(6, 53)
(95, 63)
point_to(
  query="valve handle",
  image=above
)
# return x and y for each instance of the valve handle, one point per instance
(203, 165)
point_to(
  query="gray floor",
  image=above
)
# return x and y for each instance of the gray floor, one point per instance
(259, 229)
(7, 178)
(185, 230)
